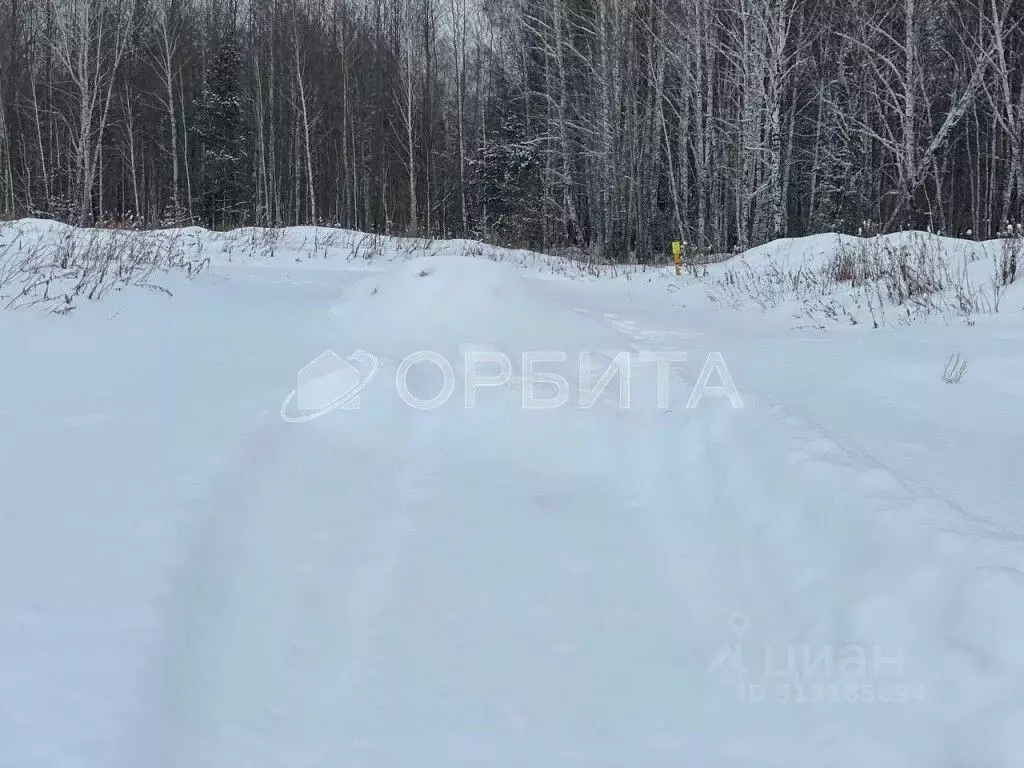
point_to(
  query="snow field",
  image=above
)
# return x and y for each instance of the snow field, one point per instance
(830, 575)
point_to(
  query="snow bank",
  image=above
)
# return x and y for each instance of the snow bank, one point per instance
(297, 248)
(57, 268)
(820, 281)
(896, 279)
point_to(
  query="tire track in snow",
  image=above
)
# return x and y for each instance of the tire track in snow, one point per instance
(693, 509)
(753, 533)
(910, 489)
(290, 578)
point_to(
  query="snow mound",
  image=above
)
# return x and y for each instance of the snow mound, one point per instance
(54, 267)
(816, 251)
(429, 302)
(305, 247)
(896, 279)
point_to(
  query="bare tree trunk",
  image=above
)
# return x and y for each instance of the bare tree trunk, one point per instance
(130, 141)
(90, 43)
(168, 40)
(459, 12)
(184, 139)
(300, 82)
(410, 150)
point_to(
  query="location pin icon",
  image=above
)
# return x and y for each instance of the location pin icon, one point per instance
(739, 623)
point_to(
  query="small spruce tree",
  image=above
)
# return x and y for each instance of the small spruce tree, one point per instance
(220, 132)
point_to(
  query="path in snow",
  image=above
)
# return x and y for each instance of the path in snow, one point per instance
(388, 587)
(391, 587)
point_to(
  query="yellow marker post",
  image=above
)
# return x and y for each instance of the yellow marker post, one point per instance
(677, 253)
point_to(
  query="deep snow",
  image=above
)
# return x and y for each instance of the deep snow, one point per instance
(831, 575)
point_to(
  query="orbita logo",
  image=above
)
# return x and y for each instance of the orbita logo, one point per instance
(329, 382)
(537, 380)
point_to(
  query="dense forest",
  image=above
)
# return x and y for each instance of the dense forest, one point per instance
(606, 126)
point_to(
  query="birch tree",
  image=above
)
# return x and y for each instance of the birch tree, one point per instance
(90, 43)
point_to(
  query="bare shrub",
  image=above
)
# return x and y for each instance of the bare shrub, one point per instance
(56, 273)
(1011, 241)
(325, 240)
(367, 248)
(913, 272)
(956, 367)
(842, 267)
(856, 265)
(250, 241)
(881, 279)
(968, 299)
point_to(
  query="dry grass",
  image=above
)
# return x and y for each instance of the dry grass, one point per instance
(56, 273)
(883, 280)
(956, 367)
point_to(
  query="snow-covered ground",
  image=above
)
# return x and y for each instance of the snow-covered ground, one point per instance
(830, 575)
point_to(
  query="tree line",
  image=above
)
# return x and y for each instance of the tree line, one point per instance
(610, 127)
